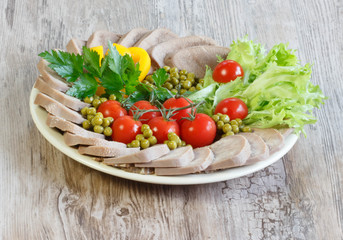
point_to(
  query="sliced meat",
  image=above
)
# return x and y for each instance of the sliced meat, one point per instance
(155, 37)
(66, 126)
(143, 156)
(75, 46)
(64, 99)
(58, 109)
(103, 151)
(195, 59)
(100, 38)
(176, 158)
(285, 132)
(51, 77)
(271, 137)
(229, 152)
(161, 51)
(203, 157)
(72, 140)
(133, 36)
(259, 149)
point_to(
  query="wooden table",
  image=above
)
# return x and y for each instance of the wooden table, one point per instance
(46, 195)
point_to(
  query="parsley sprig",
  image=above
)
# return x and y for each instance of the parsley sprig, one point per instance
(82, 71)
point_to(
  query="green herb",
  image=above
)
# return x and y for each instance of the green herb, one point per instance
(115, 74)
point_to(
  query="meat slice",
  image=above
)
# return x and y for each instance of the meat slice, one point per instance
(176, 158)
(285, 132)
(75, 46)
(130, 38)
(272, 138)
(161, 51)
(100, 38)
(66, 126)
(203, 157)
(155, 37)
(259, 149)
(66, 100)
(143, 156)
(195, 59)
(72, 140)
(104, 151)
(229, 152)
(58, 109)
(51, 77)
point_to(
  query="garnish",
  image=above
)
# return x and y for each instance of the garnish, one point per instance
(115, 74)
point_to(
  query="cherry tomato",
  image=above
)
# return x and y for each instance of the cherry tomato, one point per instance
(178, 103)
(125, 129)
(227, 71)
(161, 127)
(199, 132)
(234, 107)
(112, 108)
(145, 118)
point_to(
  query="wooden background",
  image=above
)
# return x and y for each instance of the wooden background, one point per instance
(46, 195)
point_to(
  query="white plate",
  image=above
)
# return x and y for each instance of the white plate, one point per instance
(39, 116)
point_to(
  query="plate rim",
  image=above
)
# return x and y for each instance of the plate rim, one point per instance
(50, 135)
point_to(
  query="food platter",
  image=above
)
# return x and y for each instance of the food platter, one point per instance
(39, 116)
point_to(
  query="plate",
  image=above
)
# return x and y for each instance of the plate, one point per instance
(39, 116)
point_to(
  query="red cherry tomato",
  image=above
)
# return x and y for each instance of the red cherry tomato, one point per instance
(125, 129)
(178, 103)
(112, 108)
(234, 107)
(161, 127)
(145, 118)
(227, 71)
(199, 132)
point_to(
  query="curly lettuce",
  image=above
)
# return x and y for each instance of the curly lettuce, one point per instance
(275, 87)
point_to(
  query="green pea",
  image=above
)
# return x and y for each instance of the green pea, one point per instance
(145, 127)
(174, 91)
(186, 84)
(108, 131)
(145, 143)
(167, 68)
(174, 69)
(235, 128)
(112, 97)
(183, 71)
(86, 124)
(228, 134)
(246, 129)
(99, 114)
(215, 118)
(129, 145)
(96, 121)
(91, 111)
(96, 97)
(172, 145)
(135, 143)
(182, 91)
(106, 122)
(175, 81)
(152, 140)
(227, 128)
(110, 119)
(90, 117)
(198, 86)
(174, 75)
(239, 121)
(220, 124)
(183, 143)
(183, 77)
(98, 129)
(103, 99)
(234, 122)
(96, 103)
(88, 100)
(225, 118)
(171, 135)
(201, 81)
(139, 137)
(84, 111)
(147, 133)
(190, 75)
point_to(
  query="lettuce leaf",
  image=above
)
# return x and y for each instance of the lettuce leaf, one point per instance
(275, 87)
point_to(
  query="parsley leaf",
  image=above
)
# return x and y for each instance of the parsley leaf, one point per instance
(67, 65)
(91, 61)
(86, 86)
(115, 64)
(160, 77)
(111, 80)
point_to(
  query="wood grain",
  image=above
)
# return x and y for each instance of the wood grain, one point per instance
(46, 195)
